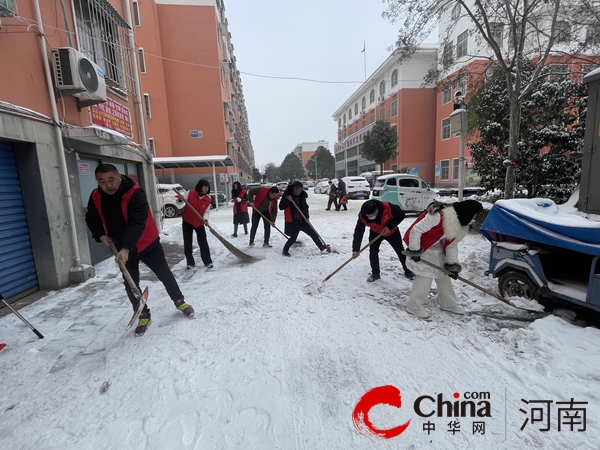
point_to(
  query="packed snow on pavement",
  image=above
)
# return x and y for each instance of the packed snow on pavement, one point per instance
(272, 362)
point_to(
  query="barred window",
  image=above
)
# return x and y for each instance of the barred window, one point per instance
(497, 32)
(461, 44)
(394, 78)
(364, 104)
(372, 118)
(382, 89)
(558, 72)
(447, 56)
(372, 96)
(445, 129)
(455, 163)
(103, 37)
(444, 169)
(446, 93)
(394, 111)
(382, 114)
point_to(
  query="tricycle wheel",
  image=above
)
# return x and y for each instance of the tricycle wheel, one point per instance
(517, 284)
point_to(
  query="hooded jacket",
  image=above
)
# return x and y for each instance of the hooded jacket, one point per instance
(289, 210)
(124, 216)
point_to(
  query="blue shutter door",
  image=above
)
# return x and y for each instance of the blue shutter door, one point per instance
(17, 269)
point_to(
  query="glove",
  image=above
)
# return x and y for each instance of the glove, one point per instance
(415, 255)
(238, 199)
(455, 268)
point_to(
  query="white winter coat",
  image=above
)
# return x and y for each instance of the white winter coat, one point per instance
(435, 254)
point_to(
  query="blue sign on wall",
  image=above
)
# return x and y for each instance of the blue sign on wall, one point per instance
(196, 134)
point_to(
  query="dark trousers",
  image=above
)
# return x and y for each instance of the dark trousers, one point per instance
(255, 221)
(395, 240)
(340, 205)
(297, 227)
(154, 258)
(334, 201)
(188, 248)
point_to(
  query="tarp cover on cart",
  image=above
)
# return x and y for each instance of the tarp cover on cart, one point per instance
(541, 220)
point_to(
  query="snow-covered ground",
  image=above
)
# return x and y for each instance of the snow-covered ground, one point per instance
(269, 363)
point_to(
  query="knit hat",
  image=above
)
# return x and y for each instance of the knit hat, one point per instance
(465, 210)
(274, 190)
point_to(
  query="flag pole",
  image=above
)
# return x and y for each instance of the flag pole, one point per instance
(365, 52)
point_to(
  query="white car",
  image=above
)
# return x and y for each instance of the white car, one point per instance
(322, 187)
(169, 204)
(410, 192)
(357, 187)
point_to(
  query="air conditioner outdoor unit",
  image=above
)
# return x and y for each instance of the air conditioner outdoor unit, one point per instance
(76, 75)
(379, 98)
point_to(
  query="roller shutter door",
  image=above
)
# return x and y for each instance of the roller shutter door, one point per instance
(17, 269)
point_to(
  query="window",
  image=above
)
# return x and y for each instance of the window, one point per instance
(460, 84)
(372, 96)
(394, 167)
(562, 32)
(447, 58)
(103, 37)
(456, 12)
(364, 104)
(558, 72)
(408, 182)
(455, 168)
(446, 93)
(355, 128)
(363, 124)
(339, 123)
(382, 89)
(151, 145)
(391, 181)
(147, 105)
(461, 44)
(394, 77)
(515, 38)
(445, 129)
(587, 68)
(444, 169)
(350, 114)
(136, 14)
(382, 114)
(497, 32)
(344, 119)
(142, 60)
(394, 111)
(356, 109)
(592, 34)
(372, 118)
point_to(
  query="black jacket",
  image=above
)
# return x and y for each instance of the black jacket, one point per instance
(300, 201)
(341, 189)
(124, 235)
(359, 230)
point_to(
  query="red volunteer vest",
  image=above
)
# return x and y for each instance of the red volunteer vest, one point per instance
(386, 216)
(429, 237)
(199, 204)
(240, 207)
(262, 194)
(150, 232)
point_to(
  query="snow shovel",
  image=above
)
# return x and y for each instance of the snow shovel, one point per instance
(272, 223)
(142, 298)
(232, 248)
(470, 283)
(37, 333)
(327, 246)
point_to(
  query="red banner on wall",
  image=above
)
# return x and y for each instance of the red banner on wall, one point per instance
(112, 116)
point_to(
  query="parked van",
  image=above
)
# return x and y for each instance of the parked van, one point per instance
(409, 192)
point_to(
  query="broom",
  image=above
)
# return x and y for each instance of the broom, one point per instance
(327, 246)
(233, 249)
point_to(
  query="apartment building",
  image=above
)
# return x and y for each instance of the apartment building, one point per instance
(305, 150)
(86, 82)
(393, 93)
(193, 94)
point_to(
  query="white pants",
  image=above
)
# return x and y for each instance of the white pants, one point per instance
(421, 287)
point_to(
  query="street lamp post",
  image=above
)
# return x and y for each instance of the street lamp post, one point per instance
(458, 123)
(314, 159)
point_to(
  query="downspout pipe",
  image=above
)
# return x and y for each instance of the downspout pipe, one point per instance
(78, 273)
(141, 116)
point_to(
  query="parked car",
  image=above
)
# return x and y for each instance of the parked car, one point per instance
(304, 185)
(282, 185)
(311, 183)
(322, 187)
(169, 204)
(410, 192)
(467, 191)
(357, 187)
(222, 200)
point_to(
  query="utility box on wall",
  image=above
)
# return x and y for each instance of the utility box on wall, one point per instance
(589, 192)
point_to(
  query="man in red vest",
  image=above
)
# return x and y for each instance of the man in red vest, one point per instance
(264, 199)
(380, 217)
(118, 213)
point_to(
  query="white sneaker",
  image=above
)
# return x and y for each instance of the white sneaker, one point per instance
(456, 309)
(419, 312)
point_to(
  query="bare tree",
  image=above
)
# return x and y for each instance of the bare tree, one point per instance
(507, 32)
